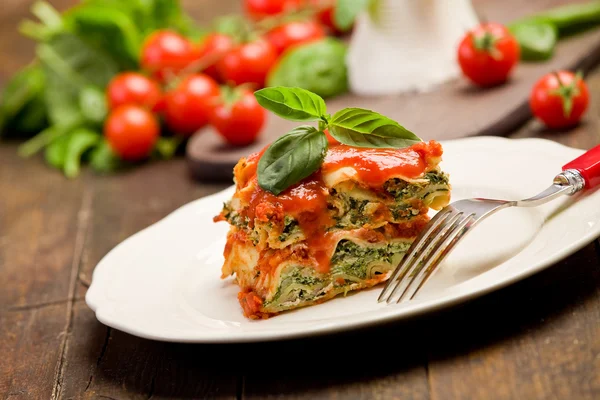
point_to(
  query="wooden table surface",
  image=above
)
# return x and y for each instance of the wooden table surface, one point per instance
(537, 339)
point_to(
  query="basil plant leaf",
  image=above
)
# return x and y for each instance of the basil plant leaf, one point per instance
(293, 103)
(364, 128)
(291, 158)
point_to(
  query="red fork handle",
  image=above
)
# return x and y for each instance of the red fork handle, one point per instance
(588, 165)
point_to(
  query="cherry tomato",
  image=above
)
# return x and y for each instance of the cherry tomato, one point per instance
(293, 34)
(188, 106)
(325, 14)
(212, 49)
(559, 99)
(488, 53)
(248, 63)
(166, 53)
(131, 132)
(258, 9)
(239, 122)
(133, 88)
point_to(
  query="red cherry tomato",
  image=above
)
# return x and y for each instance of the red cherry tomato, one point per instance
(325, 14)
(559, 99)
(248, 63)
(239, 123)
(166, 53)
(133, 88)
(131, 132)
(488, 54)
(212, 49)
(294, 33)
(188, 106)
(258, 9)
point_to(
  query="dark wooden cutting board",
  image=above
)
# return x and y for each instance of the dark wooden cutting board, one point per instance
(453, 110)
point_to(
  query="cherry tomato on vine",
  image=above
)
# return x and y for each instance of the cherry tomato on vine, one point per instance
(133, 88)
(248, 63)
(325, 14)
(166, 53)
(188, 106)
(131, 132)
(239, 119)
(488, 53)
(258, 9)
(559, 99)
(212, 49)
(294, 33)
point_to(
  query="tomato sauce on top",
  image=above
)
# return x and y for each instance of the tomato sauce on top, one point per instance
(375, 166)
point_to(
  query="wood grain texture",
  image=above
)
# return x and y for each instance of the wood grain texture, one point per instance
(537, 339)
(40, 248)
(455, 109)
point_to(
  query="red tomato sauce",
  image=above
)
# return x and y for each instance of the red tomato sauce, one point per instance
(375, 166)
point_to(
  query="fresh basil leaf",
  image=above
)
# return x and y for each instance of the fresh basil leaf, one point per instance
(365, 128)
(291, 158)
(346, 11)
(80, 140)
(22, 110)
(70, 65)
(76, 62)
(293, 103)
(92, 103)
(56, 152)
(104, 160)
(45, 137)
(319, 67)
(109, 30)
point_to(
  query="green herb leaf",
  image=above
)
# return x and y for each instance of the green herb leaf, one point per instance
(22, 110)
(70, 65)
(346, 12)
(291, 158)
(293, 103)
(364, 128)
(319, 67)
(76, 62)
(45, 137)
(92, 103)
(56, 152)
(109, 30)
(80, 140)
(104, 160)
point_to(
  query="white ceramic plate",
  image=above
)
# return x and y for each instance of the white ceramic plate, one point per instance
(164, 282)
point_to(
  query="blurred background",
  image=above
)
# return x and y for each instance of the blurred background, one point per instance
(113, 85)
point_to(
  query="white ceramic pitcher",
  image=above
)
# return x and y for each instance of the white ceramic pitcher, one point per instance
(407, 45)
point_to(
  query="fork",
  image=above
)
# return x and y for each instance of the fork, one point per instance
(450, 225)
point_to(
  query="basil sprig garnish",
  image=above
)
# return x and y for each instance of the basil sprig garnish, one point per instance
(364, 128)
(300, 152)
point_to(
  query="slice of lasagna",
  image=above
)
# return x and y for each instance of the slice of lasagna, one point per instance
(343, 228)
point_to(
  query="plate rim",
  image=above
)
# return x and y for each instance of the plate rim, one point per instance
(435, 304)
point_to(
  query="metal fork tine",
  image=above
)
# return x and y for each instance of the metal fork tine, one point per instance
(430, 241)
(437, 255)
(435, 222)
